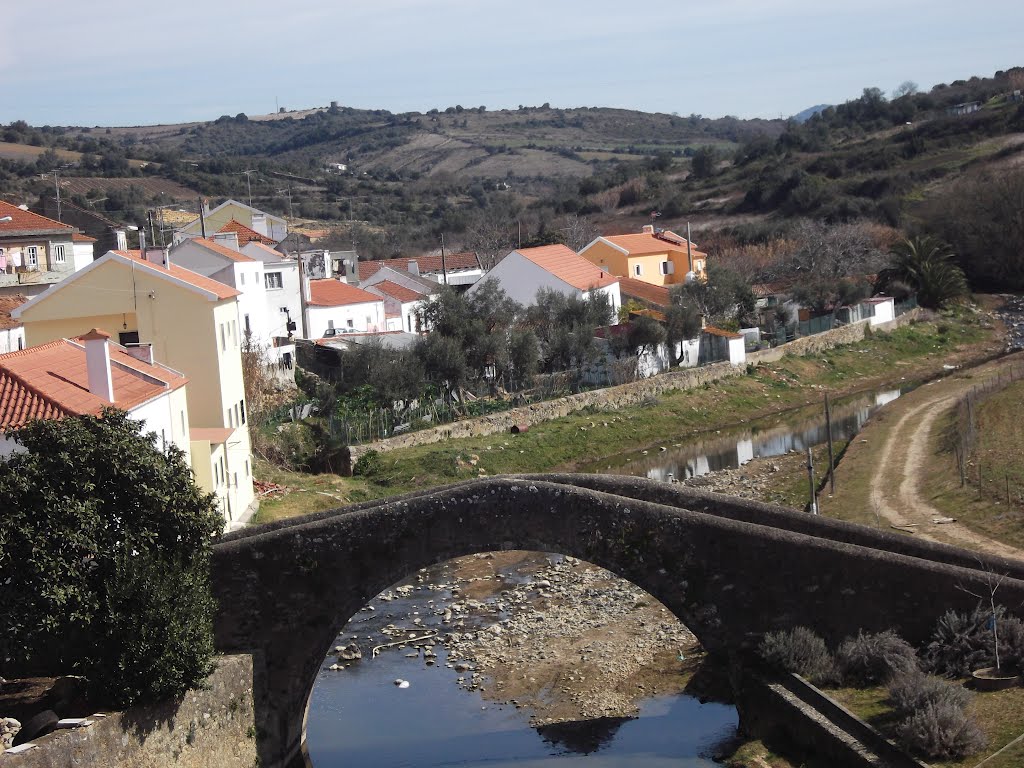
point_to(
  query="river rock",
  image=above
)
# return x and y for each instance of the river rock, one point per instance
(9, 728)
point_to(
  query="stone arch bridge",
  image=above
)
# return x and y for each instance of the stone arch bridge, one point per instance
(729, 569)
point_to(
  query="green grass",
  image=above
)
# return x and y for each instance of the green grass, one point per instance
(597, 433)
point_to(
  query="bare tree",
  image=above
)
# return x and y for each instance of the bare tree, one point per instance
(578, 231)
(906, 88)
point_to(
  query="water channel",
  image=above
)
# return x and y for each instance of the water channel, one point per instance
(359, 716)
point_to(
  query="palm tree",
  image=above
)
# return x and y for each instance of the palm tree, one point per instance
(926, 265)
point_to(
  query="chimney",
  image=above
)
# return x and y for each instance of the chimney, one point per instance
(158, 256)
(122, 240)
(143, 352)
(647, 229)
(259, 224)
(97, 363)
(227, 239)
(414, 267)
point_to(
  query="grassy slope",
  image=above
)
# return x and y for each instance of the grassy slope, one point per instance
(909, 353)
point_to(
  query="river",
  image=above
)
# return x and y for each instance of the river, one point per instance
(358, 716)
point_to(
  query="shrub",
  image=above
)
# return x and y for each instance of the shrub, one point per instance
(916, 690)
(940, 731)
(797, 650)
(104, 568)
(962, 642)
(368, 464)
(868, 659)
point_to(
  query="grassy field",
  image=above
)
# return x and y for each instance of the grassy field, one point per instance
(909, 353)
(1000, 716)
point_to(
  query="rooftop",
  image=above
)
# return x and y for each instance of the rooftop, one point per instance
(194, 279)
(568, 266)
(7, 305)
(428, 265)
(213, 245)
(52, 381)
(25, 222)
(396, 291)
(646, 243)
(647, 292)
(333, 293)
(246, 234)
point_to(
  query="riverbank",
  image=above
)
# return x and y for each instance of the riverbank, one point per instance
(916, 352)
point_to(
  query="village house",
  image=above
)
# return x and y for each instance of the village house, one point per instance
(459, 270)
(556, 267)
(281, 292)
(187, 321)
(402, 306)
(653, 256)
(334, 307)
(34, 251)
(244, 235)
(12, 332)
(82, 376)
(214, 219)
(106, 235)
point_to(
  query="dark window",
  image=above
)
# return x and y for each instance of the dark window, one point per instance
(128, 337)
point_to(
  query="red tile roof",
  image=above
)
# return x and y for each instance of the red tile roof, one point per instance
(638, 289)
(568, 266)
(644, 243)
(453, 262)
(710, 329)
(25, 221)
(333, 293)
(7, 305)
(78, 237)
(52, 381)
(220, 290)
(396, 291)
(216, 247)
(246, 234)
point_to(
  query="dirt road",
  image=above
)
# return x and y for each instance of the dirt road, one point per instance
(880, 478)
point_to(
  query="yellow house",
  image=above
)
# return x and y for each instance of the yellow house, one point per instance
(654, 256)
(191, 323)
(215, 219)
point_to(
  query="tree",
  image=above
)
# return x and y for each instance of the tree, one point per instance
(703, 161)
(724, 298)
(105, 569)
(682, 322)
(925, 264)
(906, 88)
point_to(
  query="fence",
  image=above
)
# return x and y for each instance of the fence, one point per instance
(963, 439)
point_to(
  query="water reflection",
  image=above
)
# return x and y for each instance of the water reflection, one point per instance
(732, 451)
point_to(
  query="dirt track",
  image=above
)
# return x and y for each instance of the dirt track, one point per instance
(892, 452)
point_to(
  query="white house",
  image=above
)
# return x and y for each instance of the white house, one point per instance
(83, 250)
(12, 331)
(525, 271)
(459, 270)
(76, 377)
(334, 307)
(402, 306)
(284, 303)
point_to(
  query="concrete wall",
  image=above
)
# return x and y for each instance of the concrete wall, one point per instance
(212, 728)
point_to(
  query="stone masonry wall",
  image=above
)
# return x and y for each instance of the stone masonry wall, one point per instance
(623, 394)
(213, 728)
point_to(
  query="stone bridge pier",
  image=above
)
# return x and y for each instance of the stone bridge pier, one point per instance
(729, 569)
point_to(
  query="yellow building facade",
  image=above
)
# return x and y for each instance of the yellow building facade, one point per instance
(658, 258)
(192, 324)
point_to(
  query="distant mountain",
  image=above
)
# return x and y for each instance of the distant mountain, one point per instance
(807, 114)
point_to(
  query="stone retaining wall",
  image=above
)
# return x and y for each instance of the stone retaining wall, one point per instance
(212, 728)
(623, 394)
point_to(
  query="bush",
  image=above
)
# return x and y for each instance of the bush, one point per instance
(916, 690)
(797, 650)
(940, 731)
(104, 568)
(962, 642)
(869, 659)
(369, 464)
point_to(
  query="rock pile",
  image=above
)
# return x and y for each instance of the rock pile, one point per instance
(9, 728)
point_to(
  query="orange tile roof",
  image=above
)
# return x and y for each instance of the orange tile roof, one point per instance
(216, 247)
(638, 289)
(7, 305)
(427, 264)
(396, 291)
(52, 381)
(333, 293)
(710, 329)
(78, 237)
(26, 221)
(220, 290)
(246, 234)
(270, 251)
(568, 266)
(644, 243)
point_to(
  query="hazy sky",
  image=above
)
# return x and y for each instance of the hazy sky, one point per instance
(115, 62)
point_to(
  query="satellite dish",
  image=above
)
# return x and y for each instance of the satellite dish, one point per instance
(690, 276)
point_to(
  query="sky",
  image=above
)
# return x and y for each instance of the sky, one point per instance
(115, 62)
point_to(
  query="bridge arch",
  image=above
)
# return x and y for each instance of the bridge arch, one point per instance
(286, 590)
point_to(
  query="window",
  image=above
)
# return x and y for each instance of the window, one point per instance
(272, 280)
(125, 338)
(241, 404)
(246, 467)
(237, 421)
(638, 270)
(667, 268)
(59, 256)
(223, 338)
(241, 277)
(248, 329)
(350, 323)
(227, 417)
(183, 423)
(698, 266)
(32, 256)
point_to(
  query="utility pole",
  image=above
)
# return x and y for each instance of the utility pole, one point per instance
(202, 217)
(248, 182)
(56, 186)
(810, 478)
(831, 455)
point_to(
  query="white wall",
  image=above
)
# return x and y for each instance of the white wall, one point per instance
(365, 316)
(83, 255)
(884, 311)
(162, 417)
(12, 339)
